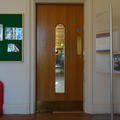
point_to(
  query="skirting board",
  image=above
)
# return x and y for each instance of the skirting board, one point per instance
(16, 109)
(101, 109)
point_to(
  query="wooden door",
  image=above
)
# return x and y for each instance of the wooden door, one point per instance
(48, 16)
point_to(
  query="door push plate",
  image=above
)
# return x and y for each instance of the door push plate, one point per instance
(79, 45)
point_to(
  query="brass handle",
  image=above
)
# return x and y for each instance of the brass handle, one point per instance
(79, 45)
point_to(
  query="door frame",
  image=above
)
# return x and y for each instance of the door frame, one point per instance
(88, 45)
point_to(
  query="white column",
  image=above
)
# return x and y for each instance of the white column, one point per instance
(111, 64)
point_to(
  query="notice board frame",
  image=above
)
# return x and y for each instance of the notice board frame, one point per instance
(13, 20)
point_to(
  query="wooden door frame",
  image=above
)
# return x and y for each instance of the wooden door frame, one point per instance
(88, 44)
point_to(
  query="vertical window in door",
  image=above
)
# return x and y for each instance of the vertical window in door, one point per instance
(60, 58)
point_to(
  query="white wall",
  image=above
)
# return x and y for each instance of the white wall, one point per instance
(15, 76)
(101, 66)
(116, 45)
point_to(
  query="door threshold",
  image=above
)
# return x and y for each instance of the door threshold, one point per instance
(54, 112)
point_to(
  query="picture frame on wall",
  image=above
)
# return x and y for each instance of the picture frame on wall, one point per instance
(116, 63)
(11, 38)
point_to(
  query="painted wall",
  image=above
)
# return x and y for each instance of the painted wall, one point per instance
(15, 76)
(101, 66)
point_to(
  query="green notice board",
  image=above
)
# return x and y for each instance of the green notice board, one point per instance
(11, 37)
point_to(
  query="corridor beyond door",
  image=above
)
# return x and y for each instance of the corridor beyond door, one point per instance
(60, 53)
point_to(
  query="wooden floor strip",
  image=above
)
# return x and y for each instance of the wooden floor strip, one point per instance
(48, 116)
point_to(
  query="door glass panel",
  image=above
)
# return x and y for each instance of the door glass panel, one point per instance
(60, 58)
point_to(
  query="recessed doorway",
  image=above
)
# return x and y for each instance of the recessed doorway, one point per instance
(59, 56)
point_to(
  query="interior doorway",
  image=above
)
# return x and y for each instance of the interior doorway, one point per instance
(59, 56)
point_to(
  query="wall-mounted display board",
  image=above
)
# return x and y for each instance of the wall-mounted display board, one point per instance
(11, 37)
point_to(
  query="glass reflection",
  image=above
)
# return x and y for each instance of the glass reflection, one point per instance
(59, 65)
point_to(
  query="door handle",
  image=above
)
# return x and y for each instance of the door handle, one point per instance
(79, 45)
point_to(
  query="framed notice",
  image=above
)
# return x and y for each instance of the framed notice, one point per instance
(103, 42)
(11, 37)
(116, 63)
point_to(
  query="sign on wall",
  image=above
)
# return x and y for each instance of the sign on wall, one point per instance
(11, 37)
(103, 42)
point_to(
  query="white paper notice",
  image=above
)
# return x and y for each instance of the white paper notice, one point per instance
(1, 32)
(103, 43)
